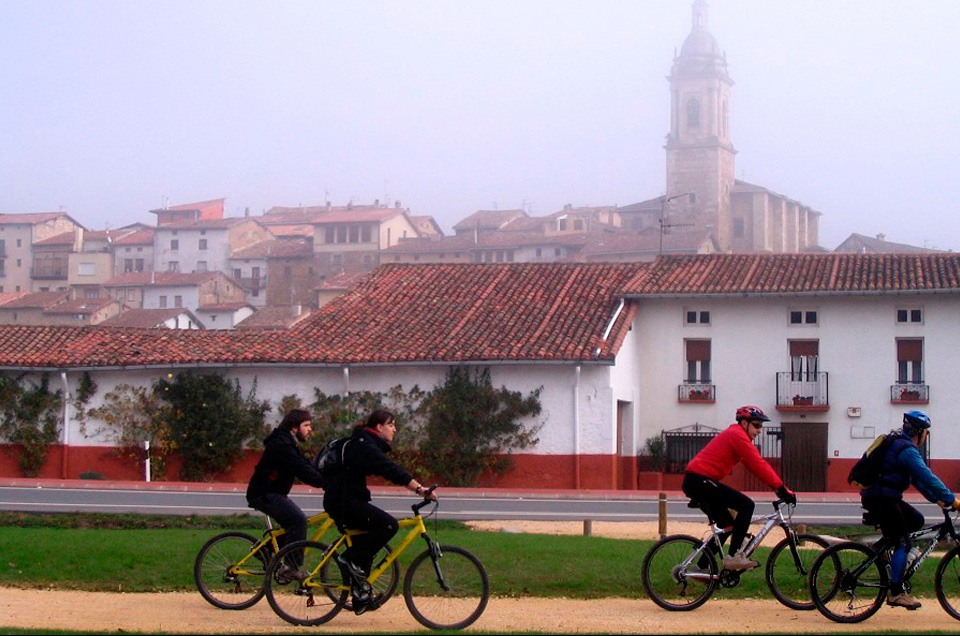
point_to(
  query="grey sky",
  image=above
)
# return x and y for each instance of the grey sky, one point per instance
(449, 107)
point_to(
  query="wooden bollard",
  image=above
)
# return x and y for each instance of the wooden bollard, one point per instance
(663, 515)
(587, 527)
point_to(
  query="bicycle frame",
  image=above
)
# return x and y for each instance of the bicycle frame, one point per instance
(271, 534)
(775, 518)
(932, 534)
(417, 528)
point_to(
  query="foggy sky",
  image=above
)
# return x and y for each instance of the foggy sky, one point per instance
(110, 108)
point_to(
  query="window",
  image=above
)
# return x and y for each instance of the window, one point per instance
(578, 224)
(127, 265)
(738, 226)
(287, 274)
(354, 234)
(130, 294)
(86, 269)
(203, 244)
(173, 266)
(342, 234)
(178, 301)
(556, 251)
(539, 252)
(91, 293)
(163, 302)
(803, 317)
(913, 315)
(698, 361)
(237, 273)
(138, 266)
(255, 273)
(910, 361)
(201, 266)
(365, 234)
(174, 245)
(694, 317)
(330, 235)
(804, 360)
(693, 113)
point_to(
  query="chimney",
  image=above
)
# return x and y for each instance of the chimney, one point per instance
(881, 237)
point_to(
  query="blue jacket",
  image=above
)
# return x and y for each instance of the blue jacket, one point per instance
(903, 466)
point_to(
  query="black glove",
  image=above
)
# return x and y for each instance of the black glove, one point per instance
(787, 495)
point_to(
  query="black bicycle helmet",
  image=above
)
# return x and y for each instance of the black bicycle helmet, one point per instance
(914, 422)
(751, 413)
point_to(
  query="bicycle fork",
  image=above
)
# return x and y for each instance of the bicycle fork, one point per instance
(435, 554)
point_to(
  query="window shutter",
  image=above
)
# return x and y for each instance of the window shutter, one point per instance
(909, 350)
(698, 350)
(805, 348)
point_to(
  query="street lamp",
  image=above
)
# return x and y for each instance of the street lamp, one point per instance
(664, 200)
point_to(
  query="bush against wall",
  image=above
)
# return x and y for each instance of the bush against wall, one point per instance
(30, 418)
(130, 416)
(470, 427)
(208, 421)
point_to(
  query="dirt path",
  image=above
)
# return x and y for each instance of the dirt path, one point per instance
(189, 614)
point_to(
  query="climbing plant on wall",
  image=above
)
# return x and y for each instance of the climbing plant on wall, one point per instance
(30, 419)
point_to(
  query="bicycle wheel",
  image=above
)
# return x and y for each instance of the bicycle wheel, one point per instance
(383, 587)
(221, 581)
(449, 593)
(668, 584)
(947, 582)
(846, 585)
(788, 576)
(313, 601)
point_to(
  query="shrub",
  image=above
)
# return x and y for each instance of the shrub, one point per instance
(30, 417)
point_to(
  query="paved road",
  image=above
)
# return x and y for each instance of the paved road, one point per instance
(465, 504)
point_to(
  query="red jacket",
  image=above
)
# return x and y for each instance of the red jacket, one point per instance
(728, 449)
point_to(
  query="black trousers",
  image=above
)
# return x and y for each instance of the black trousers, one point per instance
(721, 499)
(355, 514)
(290, 518)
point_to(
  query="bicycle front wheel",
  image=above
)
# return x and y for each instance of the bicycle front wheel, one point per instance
(668, 583)
(449, 592)
(313, 601)
(788, 570)
(220, 578)
(947, 582)
(848, 582)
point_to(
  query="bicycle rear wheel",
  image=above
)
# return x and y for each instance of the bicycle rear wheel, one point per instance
(671, 586)
(311, 602)
(221, 581)
(450, 592)
(947, 582)
(848, 583)
(788, 575)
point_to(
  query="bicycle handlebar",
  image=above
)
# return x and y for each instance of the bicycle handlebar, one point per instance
(426, 499)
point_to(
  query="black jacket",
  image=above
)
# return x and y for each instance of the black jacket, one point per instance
(365, 454)
(282, 461)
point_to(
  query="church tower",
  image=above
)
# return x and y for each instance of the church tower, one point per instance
(700, 154)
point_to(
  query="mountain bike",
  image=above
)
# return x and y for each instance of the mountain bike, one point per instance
(445, 587)
(849, 581)
(230, 569)
(680, 572)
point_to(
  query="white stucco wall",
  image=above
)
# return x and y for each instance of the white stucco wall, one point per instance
(749, 346)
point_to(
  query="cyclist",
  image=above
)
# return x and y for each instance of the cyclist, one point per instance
(717, 459)
(269, 487)
(903, 465)
(347, 499)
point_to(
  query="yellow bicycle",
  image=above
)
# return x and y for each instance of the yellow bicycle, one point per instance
(445, 587)
(230, 568)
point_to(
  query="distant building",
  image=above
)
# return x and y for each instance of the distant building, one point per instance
(860, 244)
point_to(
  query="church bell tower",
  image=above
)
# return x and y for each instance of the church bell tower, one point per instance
(700, 154)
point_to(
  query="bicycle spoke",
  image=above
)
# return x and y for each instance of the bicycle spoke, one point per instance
(669, 583)
(449, 594)
(788, 570)
(219, 578)
(844, 586)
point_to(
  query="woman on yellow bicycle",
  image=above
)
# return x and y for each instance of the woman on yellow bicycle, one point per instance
(347, 498)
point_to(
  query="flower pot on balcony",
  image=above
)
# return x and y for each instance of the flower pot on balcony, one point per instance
(698, 395)
(799, 400)
(910, 396)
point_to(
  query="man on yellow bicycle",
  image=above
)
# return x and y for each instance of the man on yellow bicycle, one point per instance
(347, 499)
(273, 476)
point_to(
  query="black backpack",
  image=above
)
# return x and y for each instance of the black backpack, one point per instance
(866, 472)
(329, 460)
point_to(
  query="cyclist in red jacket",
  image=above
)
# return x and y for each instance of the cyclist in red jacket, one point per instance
(717, 459)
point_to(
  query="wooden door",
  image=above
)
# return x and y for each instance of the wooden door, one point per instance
(804, 456)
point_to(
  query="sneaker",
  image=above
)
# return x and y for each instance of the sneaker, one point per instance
(361, 598)
(738, 562)
(286, 573)
(903, 600)
(355, 571)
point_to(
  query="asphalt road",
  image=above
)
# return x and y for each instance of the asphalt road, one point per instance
(462, 504)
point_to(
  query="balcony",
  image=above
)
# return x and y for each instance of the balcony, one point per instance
(49, 272)
(802, 392)
(910, 393)
(253, 284)
(697, 392)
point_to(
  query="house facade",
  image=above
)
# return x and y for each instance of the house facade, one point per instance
(833, 347)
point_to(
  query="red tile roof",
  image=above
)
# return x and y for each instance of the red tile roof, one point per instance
(37, 300)
(85, 306)
(797, 274)
(139, 237)
(212, 204)
(148, 318)
(162, 279)
(30, 218)
(481, 313)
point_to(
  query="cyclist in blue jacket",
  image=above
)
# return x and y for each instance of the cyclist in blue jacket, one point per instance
(903, 465)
